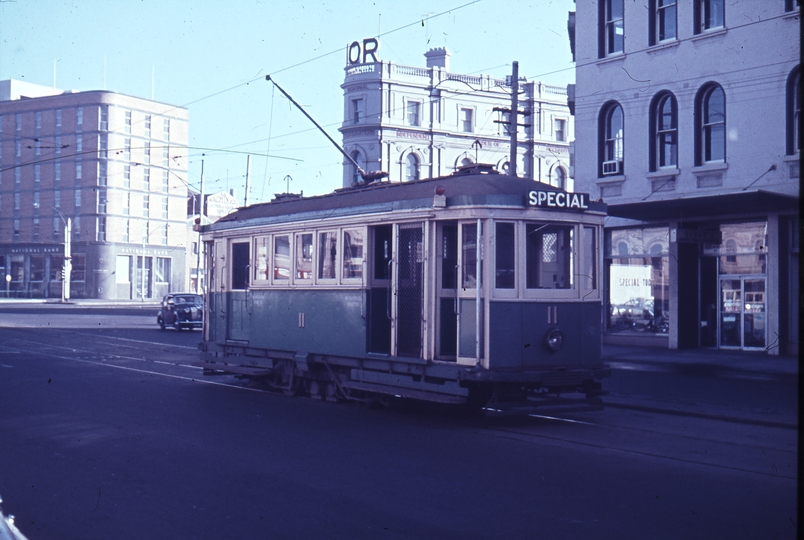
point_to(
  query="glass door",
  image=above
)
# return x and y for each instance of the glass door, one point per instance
(742, 312)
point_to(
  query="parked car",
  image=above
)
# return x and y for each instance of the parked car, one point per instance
(181, 310)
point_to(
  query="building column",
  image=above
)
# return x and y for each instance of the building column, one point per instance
(672, 334)
(772, 290)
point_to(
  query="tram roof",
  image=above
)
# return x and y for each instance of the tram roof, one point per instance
(459, 189)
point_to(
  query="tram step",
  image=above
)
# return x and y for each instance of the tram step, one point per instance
(232, 368)
(403, 392)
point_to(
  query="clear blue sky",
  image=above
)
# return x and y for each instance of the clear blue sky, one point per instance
(212, 57)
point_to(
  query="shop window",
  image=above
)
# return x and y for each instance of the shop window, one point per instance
(79, 267)
(37, 263)
(122, 271)
(638, 266)
(56, 267)
(162, 272)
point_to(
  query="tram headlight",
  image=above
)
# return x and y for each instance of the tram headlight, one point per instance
(554, 339)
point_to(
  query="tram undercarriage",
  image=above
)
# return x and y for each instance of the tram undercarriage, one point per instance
(375, 380)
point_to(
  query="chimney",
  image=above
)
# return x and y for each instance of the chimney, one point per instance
(438, 57)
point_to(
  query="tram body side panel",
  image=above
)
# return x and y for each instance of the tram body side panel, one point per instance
(315, 321)
(518, 333)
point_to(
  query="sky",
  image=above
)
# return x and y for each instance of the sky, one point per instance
(212, 58)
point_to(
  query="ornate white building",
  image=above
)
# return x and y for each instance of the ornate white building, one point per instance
(420, 122)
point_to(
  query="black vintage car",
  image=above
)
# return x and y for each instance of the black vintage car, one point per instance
(181, 310)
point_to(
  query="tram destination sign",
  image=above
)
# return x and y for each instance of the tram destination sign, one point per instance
(559, 199)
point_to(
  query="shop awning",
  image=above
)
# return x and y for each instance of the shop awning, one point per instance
(729, 204)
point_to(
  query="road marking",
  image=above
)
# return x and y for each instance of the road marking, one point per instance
(563, 419)
(149, 372)
(160, 343)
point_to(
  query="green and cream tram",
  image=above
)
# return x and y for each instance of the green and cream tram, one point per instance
(462, 289)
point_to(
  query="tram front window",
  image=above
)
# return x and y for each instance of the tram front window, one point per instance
(549, 256)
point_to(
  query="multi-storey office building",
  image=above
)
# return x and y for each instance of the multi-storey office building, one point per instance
(687, 118)
(415, 122)
(115, 168)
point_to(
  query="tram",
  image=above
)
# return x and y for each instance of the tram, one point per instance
(475, 288)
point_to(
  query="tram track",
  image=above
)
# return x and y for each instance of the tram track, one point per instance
(695, 438)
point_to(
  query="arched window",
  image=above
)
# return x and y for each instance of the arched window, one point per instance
(558, 178)
(710, 119)
(612, 131)
(356, 178)
(794, 112)
(411, 167)
(664, 131)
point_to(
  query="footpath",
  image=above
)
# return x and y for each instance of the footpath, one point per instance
(706, 362)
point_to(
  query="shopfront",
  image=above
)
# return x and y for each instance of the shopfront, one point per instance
(726, 281)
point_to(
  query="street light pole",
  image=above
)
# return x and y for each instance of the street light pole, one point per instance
(68, 263)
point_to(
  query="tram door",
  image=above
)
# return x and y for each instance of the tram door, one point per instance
(408, 290)
(447, 291)
(238, 315)
(469, 339)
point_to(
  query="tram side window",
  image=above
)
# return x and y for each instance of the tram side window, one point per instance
(281, 257)
(304, 256)
(549, 256)
(504, 256)
(449, 257)
(240, 260)
(261, 251)
(352, 254)
(382, 251)
(589, 261)
(469, 247)
(327, 254)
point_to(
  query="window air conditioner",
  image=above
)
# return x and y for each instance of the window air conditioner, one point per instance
(612, 167)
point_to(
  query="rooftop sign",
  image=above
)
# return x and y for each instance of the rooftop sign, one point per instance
(357, 54)
(559, 199)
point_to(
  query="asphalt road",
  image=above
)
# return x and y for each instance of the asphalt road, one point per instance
(108, 431)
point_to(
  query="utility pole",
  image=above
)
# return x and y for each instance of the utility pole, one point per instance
(198, 242)
(512, 123)
(514, 119)
(248, 175)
